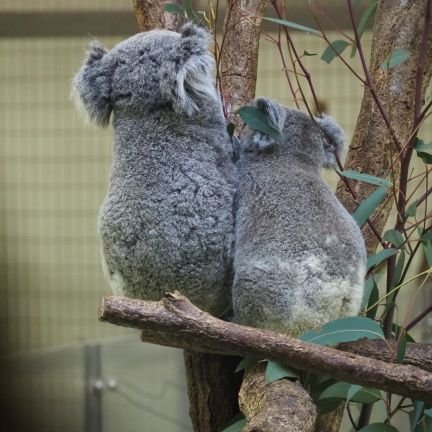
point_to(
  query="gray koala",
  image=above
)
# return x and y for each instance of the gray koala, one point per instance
(167, 220)
(299, 258)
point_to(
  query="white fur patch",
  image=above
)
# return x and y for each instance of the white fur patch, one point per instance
(114, 279)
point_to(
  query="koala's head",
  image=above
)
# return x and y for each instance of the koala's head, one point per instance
(317, 140)
(154, 69)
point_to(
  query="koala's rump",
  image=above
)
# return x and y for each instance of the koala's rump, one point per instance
(298, 263)
(170, 235)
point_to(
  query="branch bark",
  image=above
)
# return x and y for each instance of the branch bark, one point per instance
(397, 25)
(176, 322)
(282, 406)
(416, 354)
(239, 53)
(150, 15)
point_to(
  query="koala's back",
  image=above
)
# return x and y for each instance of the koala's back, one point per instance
(167, 223)
(300, 257)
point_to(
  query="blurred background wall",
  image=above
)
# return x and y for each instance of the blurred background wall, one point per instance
(61, 368)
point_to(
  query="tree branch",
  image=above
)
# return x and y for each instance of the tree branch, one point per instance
(176, 322)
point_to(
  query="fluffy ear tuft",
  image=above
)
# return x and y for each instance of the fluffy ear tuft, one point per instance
(274, 116)
(188, 81)
(333, 142)
(91, 86)
(194, 39)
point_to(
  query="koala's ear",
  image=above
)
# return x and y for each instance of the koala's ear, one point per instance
(188, 80)
(333, 140)
(275, 116)
(91, 86)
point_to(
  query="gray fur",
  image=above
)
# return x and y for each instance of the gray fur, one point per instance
(167, 220)
(299, 256)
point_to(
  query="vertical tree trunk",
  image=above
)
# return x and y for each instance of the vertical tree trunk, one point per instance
(398, 24)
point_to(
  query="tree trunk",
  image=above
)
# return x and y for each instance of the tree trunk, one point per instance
(398, 24)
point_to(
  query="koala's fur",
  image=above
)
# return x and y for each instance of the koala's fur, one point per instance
(299, 257)
(167, 220)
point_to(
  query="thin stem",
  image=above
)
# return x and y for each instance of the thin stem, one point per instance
(418, 318)
(365, 414)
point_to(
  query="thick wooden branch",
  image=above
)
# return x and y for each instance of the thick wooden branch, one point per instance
(416, 354)
(176, 322)
(282, 406)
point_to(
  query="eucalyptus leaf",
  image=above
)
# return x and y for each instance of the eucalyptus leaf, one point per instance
(379, 257)
(274, 371)
(335, 49)
(378, 427)
(237, 426)
(427, 236)
(245, 363)
(367, 178)
(365, 20)
(256, 119)
(369, 205)
(401, 348)
(344, 330)
(424, 151)
(394, 237)
(397, 57)
(308, 54)
(415, 414)
(327, 405)
(399, 269)
(373, 300)
(428, 412)
(411, 210)
(367, 291)
(347, 391)
(292, 25)
(427, 248)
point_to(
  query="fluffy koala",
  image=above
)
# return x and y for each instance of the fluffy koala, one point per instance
(167, 219)
(299, 257)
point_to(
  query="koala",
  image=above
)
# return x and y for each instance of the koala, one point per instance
(166, 222)
(299, 258)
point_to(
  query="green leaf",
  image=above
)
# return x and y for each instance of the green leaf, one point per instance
(367, 291)
(424, 151)
(427, 236)
(174, 9)
(373, 300)
(237, 426)
(344, 390)
(274, 372)
(344, 330)
(366, 18)
(415, 414)
(378, 427)
(411, 210)
(292, 25)
(256, 119)
(367, 178)
(394, 237)
(398, 56)
(379, 257)
(428, 412)
(399, 269)
(333, 50)
(308, 54)
(245, 363)
(327, 405)
(369, 205)
(427, 247)
(401, 348)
